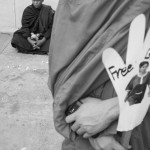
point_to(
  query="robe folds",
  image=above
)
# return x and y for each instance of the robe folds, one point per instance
(34, 20)
(82, 30)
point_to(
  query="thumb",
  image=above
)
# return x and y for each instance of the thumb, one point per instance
(71, 117)
(117, 146)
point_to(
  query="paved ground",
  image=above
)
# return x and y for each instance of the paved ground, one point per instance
(25, 101)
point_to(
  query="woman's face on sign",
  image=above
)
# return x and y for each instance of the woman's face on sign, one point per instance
(143, 68)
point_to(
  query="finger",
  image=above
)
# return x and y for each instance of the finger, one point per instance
(80, 131)
(34, 45)
(38, 47)
(71, 118)
(135, 39)
(87, 135)
(75, 127)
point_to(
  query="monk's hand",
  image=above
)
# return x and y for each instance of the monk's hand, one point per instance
(32, 42)
(106, 143)
(93, 116)
(39, 43)
(36, 47)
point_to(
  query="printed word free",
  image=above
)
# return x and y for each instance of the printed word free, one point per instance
(120, 72)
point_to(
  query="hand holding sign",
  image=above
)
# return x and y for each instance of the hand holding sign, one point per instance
(134, 102)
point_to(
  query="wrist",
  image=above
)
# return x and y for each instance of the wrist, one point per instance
(113, 104)
(44, 39)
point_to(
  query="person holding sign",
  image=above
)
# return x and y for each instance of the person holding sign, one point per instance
(83, 29)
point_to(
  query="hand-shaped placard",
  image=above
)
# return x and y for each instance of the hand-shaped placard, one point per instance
(131, 79)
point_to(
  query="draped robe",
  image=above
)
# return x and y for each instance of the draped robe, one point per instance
(83, 29)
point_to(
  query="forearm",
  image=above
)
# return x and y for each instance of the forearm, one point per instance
(29, 40)
(41, 42)
(47, 35)
(43, 39)
(113, 108)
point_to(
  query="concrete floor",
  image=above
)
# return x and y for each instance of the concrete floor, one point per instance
(25, 101)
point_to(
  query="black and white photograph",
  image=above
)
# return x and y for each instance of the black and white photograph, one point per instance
(74, 74)
(137, 86)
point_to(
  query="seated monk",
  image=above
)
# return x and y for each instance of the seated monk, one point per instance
(34, 35)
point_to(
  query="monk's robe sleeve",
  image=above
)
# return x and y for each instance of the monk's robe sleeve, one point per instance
(47, 34)
(26, 22)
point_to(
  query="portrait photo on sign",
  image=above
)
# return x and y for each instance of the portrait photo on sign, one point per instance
(137, 86)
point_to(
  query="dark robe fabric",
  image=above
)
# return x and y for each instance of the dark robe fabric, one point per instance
(82, 30)
(137, 89)
(34, 20)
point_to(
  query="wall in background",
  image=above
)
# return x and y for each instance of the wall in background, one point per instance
(11, 12)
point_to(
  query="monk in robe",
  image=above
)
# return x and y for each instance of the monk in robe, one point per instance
(35, 33)
(83, 30)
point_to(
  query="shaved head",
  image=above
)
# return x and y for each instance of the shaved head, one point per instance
(37, 3)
